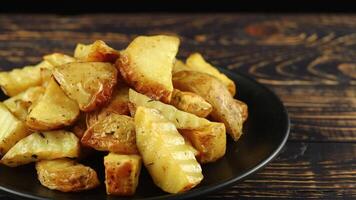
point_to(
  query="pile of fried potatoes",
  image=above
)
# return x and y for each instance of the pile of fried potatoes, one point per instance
(140, 104)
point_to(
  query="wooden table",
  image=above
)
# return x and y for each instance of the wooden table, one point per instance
(309, 61)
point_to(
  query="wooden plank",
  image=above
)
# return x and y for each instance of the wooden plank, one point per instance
(303, 170)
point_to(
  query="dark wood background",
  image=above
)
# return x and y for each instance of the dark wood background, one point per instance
(309, 61)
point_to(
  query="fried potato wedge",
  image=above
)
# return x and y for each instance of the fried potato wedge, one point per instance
(244, 109)
(66, 175)
(191, 103)
(99, 51)
(146, 65)
(58, 59)
(196, 62)
(170, 162)
(122, 174)
(212, 90)
(53, 110)
(179, 66)
(209, 142)
(42, 146)
(18, 80)
(90, 84)
(118, 104)
(20, 103)
(114, 133)
(12, 130)
(181, 119)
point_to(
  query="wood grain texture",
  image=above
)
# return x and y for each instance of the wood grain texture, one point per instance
(309, 61)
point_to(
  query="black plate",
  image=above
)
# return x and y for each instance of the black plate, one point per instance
(265, 133)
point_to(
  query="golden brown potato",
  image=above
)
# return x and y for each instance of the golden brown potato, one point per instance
(11, 130)
(80, 126)
(121, 174)
(191, 103)
(179, 66)
(20, 103)
(169, 160)
(96, 52)
(90, 84)
(210, 143)
(53, 110)
(118, 104)
(18, 80)
(42, 146)
(146, 65)
(58, 59)
(66, 175)
(244, 108)
(212, 90)
(196, 62)
(114, 133)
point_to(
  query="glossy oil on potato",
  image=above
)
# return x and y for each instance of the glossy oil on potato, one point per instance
(146, 65)
(114, 133)
(53, 110)
(191, 103)
(99, 51)
(12, 130)
(66, 175)
(122, 174)
(42, 146)
(212, 90)
(196, 62)
(20, 103)
(90, 84)
(170, 162)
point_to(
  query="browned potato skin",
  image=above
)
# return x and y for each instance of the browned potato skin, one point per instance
(190, 102)
(114, 133)
(99, 51)
(73, 177)
(212, 90)
(100, 97)
(153, 90)
(210, 146)
(244, 108)
(121, 174)
(118, 104)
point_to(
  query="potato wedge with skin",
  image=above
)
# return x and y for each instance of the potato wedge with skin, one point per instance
(114, 133)
(181, 119)
(42, 146)
(18, 80)
(196, 62)
(118, 104)
(122, 174)
(212, 90)
(170, 162)
(58, 59)
(66, 175)
(244, 108)
(99, 51)
(11, 130)
(53, 110)
(20, 103)
(90, 84)
(211, 146)
(191, 103)
(178, 66)
(146, 65)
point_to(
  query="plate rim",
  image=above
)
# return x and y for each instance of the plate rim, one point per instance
(216, 186)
